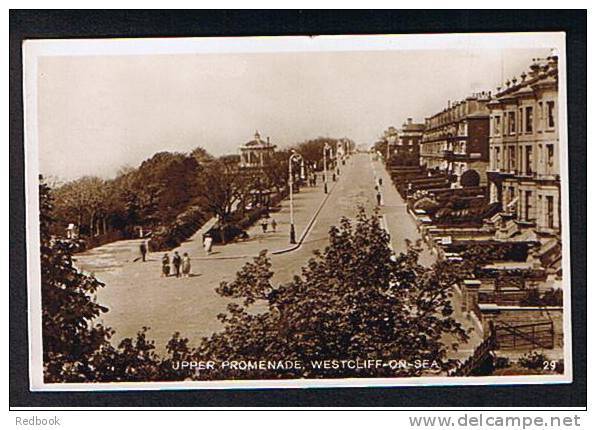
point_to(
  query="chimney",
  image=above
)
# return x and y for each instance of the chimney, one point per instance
(268, 141)
(534, 69)
(409, 120)
(553, 60)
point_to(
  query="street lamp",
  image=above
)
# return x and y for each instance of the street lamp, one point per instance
(325, 149)
(337, 155)
(293, 157)
(388, 153)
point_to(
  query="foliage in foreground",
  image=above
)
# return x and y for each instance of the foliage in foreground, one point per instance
(353, 300)
(76, 345)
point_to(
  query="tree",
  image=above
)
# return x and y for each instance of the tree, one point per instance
(201, 155)
(76, 346)
(354, 300)
(83, 200)
(275, 170)
(221, 186)
(312, 151)
(71, 338)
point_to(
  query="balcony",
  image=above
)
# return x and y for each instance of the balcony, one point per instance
(449, 155)
(497, 176)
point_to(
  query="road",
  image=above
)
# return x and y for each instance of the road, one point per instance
(137, 296)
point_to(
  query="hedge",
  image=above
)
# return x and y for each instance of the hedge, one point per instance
(165, 238)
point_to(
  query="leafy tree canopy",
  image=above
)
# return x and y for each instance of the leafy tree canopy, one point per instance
(354, 300)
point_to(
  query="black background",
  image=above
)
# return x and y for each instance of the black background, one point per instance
(100, 23)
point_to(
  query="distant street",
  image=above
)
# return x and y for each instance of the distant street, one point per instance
(137, 296)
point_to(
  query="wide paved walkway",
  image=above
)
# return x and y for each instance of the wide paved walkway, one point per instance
(137, 296)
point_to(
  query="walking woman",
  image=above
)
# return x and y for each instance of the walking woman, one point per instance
(207, 243)
(165, 265)
(185, 265)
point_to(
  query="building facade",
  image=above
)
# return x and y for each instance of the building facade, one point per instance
(406, 151)
(255, 153)
(524, 147)
(455, 140)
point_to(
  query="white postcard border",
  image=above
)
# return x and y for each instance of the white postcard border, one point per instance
(33, 49)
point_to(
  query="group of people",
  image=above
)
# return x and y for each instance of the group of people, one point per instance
(176, 266)
(265, 224)
(180, 266)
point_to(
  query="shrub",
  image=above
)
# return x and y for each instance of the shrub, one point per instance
(552, 297)
(184, 226)
(237, 225)
(502, 362)
(533, 360)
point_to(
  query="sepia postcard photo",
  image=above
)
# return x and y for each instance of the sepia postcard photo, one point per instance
(258, 212)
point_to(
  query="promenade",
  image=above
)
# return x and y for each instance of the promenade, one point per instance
(138, 296)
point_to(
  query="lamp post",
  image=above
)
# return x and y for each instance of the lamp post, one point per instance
(388, 154)
(337, 155)
(325, 149)
(293, 157)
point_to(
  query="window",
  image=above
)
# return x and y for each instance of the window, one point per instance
(529, 119)
(540, 117)
(539, 157)
(521, 121)
(550, 157)
(497, 125)
(550, 114)
(550, 212)
(498, 157)
(511, 121)
(512, 159)
(540, 208)
(528, 160)
(529, 208)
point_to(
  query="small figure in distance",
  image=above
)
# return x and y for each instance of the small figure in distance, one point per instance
(143, 249)
(165, 265)
(185, 265)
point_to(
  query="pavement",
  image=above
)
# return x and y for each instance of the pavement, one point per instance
(138, 296)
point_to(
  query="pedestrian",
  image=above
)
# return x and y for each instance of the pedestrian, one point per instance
(143, 249)
(273, 225)
(378, 198)
(314, 179)
(185, 265)
(264, 224)
(176, 261)
(165, 265)
(380, 182)
(207, 243)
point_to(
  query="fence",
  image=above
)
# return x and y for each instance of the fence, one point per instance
(533, 335)
(481, 355)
